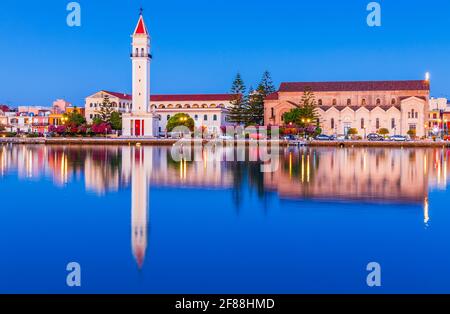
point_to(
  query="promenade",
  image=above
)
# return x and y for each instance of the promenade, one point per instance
(170, 142)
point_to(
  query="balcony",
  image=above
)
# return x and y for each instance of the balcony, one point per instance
(141, 55)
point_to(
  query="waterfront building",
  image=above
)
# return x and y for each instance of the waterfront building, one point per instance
(140, 121)
(209, 111)
(36, 119)
(3, 119)
(147, 115)
(438, 116)
(367, 106)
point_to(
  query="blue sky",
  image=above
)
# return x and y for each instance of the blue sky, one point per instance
(199, 45)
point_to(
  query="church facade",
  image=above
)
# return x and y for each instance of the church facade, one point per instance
(367, 106)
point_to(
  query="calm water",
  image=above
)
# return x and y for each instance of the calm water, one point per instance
(138, 222)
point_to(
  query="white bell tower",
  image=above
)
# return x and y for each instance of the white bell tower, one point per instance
(141, 58)
(140, 121)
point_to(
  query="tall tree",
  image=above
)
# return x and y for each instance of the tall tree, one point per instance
(106, 109)
(116, 120)
(305, 112)
(255, 109)
(267, 84)
(237, 112)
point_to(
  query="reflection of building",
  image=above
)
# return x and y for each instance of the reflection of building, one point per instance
(379, 175)
(398, 106)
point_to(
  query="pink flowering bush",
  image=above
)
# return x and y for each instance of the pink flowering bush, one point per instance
(101, 128)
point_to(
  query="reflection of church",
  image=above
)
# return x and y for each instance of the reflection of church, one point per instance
(138, 162)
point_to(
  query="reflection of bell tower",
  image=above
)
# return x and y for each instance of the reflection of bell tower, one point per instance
(139, 160)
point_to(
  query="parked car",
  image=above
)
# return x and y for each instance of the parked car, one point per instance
(398, 138)
(323, 137)
(375, 137)
(289, 137)
(226, 137)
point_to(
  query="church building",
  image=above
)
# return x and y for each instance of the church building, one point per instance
(367, 106)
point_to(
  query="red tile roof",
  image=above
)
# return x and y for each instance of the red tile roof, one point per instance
(186, 97)
(273, 96)
(354, 86)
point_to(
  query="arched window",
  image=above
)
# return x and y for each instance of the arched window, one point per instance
(142, 52)
(378, 101)
(196, 117)
(319, 102)
(362, 123)
(363, 102)
(334, 102)
(332, 123)
(179, 106)
(168, 117)
(393, 101)
(205, 117)
(349, 102)
(377, 126)
(137, 52)
(215, 117)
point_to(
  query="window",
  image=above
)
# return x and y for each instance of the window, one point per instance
(215, 117)
(377, 126)
(412, 127)
(334, 102)
(272, 112)
(392, 123)
(349, 102)
(378, 101)
(434, 115)
(393, 101)
(320, 102)
(168, 117)
(90, 116)
(417, 115)
(332, 123)
(205, 117)
(409, 115)
(363, 102)
(362, 123)
(196, 117)
(142, 52)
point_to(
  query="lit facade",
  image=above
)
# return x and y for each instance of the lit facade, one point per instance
(398, 106)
